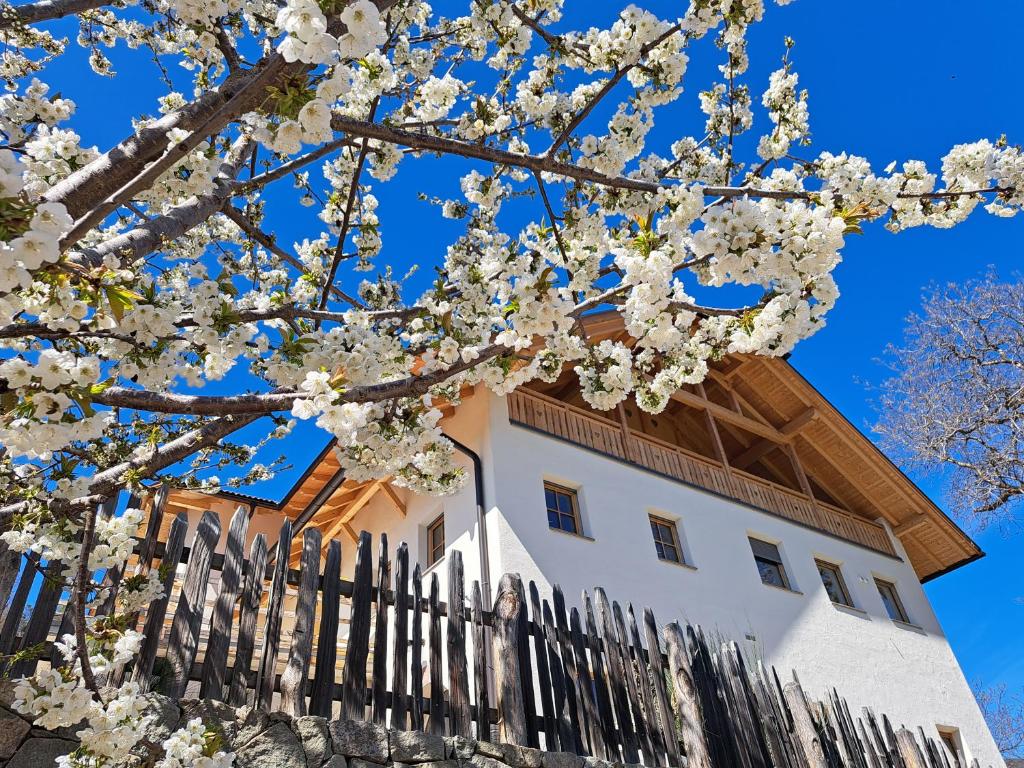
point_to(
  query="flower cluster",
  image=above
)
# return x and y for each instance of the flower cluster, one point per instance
(310, 41)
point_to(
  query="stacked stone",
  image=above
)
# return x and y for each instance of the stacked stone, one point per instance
(262, 740)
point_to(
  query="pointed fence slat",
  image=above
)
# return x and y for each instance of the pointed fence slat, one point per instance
(10, 563)
(42, 617)
(16, 608)
(566, 740)
(483, 707)
(459, 719)
(215, 661)
(643, 684)
(380, 635)
(543, 669)
(629, 673)
(691, 723)
(601, 690)
(154, 523)
(321, 698)
(508, 613)
(293, 681)
(252, 594)
(435, 723)
(400, 670)
(353, 696)
(157, 610)
(803, 726)
(616, 678)
(573, 695)
(188, 617)
(659, 673)
(595, 734)
(267, 674)
(416, 656)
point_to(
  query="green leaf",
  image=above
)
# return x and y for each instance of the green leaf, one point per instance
(120, 299)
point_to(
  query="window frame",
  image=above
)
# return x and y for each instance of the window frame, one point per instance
(950, 738)
(432, 527)
(837, 570)
(574, 500)
(903, 617)
(778, 563)
(673, 529)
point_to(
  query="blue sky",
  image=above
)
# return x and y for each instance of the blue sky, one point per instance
(887, 80)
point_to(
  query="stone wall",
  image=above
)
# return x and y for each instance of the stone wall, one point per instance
(261, 740)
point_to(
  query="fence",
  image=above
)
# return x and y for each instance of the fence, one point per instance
(595, 682)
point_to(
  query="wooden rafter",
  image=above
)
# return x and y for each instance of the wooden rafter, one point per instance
(729, 416)
(911, 524)
(396, 502)
(764, 445)
(716, 438)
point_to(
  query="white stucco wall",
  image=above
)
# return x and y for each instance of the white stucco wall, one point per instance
(908, 672)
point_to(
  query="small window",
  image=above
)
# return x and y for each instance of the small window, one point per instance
(666, 542)
(832, 578)
(949, 738)
(769, 563)
(891, 601)
(563, 508)
(435, 540)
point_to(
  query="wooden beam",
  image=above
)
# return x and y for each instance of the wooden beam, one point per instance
(763, 446)
(911, 524)
(351, 533)
(716, 438)
(624, 427)
(393, 498)
(729, 416)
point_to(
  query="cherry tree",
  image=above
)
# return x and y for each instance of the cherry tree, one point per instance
(132, 277)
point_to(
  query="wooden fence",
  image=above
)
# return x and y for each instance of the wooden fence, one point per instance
(598, 681)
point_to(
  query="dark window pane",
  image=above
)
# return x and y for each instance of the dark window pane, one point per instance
(671, 554)
(564, 503)
(549, 498)
(771, 573)
(569, 523)
(832, 581)
(765, 551)
(553, 519)
(891, 601)
(660, 548)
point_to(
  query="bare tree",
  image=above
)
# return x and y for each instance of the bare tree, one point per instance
(955, 401)
(1005, 717)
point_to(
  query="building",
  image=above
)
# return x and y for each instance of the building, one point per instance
(750, 507)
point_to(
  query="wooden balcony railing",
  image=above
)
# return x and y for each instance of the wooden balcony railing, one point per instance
(576, 425)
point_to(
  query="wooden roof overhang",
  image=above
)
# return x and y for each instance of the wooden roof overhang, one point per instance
(777, 408)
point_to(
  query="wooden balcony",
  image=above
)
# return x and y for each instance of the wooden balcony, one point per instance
(576, 425)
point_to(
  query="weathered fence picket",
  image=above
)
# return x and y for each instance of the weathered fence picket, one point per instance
(592, 680)
(293, 681)
(154, 627)
(399, 698)
(435, 723)
(322, 693)
(216, 658)
(380, 635)
(252, 594)
(272, 626)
